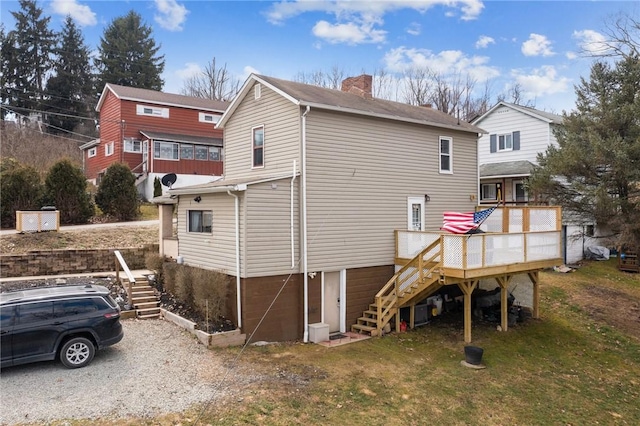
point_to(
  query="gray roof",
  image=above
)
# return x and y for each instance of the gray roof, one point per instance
(162, 98)
(337, 100)
(174, 137)
(506, 169)
(542, 115)
(222, 185)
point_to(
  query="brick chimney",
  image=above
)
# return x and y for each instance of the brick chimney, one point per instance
(360, 85)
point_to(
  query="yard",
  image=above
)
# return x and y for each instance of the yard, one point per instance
(578, 364)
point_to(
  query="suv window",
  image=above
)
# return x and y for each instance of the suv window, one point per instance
(64, 308)
(35, 312)
(6, 316)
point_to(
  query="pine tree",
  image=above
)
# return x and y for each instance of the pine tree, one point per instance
(129, 55)
(69, 90)
(8, 67)
(66, 188)
(117, 195)
(34, 44)
(595, 172)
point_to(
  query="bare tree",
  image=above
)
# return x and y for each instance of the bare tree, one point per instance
(622, 39)
(213, 82)
(419, 85)
(331, 79)
(514, 95)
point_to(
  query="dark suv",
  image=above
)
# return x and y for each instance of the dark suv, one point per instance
(68, 322)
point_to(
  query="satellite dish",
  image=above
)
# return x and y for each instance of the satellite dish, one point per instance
(169, 179)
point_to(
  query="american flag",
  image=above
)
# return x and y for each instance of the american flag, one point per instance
(462, 223)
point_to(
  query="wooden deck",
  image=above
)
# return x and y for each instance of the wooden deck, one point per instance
(427, 261)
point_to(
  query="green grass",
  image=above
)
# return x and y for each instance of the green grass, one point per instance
(148, 211)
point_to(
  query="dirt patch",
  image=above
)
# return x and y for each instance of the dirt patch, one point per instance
(613, 307)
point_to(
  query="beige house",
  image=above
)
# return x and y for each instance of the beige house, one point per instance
(315, 183)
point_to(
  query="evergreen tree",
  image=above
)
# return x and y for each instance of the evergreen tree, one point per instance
(20, 189)
(117, 195)
(34, 44)
(66, 188)
(595, 172)
(69, 90)
(8, 67)
(129, 55)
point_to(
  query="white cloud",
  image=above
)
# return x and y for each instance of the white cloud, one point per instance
(537, 45)
(349, 33)
(447, 62)
(414, 29)
(571, 55)
(248, 70)
(484, 41)
(541, 81)
(191, 69)
(171, 15)
(359, 21)
(80, 13)
(591, 42)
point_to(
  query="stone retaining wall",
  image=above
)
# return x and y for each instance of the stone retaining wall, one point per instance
(59, 262)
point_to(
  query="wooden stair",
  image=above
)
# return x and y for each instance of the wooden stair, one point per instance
(144, 300)
(415, 281)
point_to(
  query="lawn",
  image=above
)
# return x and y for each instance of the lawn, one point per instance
(576, 365)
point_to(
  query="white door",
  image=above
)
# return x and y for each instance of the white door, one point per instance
(415, 213)
(145, 156)
(331, 300)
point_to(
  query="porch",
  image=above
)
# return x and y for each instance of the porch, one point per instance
(517, 240)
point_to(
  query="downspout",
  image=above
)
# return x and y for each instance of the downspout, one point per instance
(237, 214)
(293, 252)
(305, 337)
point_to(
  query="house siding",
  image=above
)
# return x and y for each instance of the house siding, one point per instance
(215, 251)
(281, 120)
(362, 286)
(535, 136)
(361, 172)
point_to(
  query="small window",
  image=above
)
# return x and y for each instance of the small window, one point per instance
(257, 91)
(208, 118)
(202, 153)
(200, 221)
(446, 149)
(505, 142)
(108, 149)
(186, 152)
(165, 150)
(215, 153)
(589, 231)
(152, 111)
(489, 191)
(92, 152)
(30, 313)
(258, 147)
(72, 307)
(7, 316)
(132, 145)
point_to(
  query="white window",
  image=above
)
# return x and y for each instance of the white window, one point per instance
(257, 91)
(202, 152)
(257, 152)
(208, 118)
(505, 142)
(108, 149)
(200, 221)
(92, 152)
(215, 153)
(446, 155)
(132, 145)
(489, 191)
(152, 111)
(186, 152)
(165, 150)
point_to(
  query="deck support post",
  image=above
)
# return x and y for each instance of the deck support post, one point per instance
(503, 282)
(467, 288)
(533, 276)
(412, 315)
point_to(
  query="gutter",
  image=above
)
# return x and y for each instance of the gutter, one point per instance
(305, 337)
(237, 216)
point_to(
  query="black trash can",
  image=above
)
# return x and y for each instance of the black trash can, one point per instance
(473, 355)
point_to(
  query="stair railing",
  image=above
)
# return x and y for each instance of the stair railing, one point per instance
(387, 298)
(120, 262)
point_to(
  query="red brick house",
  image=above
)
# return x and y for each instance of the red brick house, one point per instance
(156, 133)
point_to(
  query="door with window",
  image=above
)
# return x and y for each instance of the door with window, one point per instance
(145, 156)
(334, 302)
(519, 192)
(415, 214)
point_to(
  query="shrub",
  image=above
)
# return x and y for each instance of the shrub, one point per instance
(169, 272)
(117, 195)
(66, 189)
(184, 285)
(210, 290)
(157, 187)
(20, 189)
(155, 262)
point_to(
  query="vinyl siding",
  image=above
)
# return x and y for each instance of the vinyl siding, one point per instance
(535, 136)
(210, 251)
(268, 242)
(361, 172)
(281, 120)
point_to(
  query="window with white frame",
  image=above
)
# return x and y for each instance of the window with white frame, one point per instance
(108, 149)
(215, 153)
(446, 157)
(165, 150)
(257, 153)
(152, 111)
(202, 153)
(132, 145)
(257, 91)
(505, 142)
(489, 191)
(186, 152)
(203, 117)
(92, 152)
(200, 221)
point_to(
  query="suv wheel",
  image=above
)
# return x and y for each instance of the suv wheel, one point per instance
(77, 352)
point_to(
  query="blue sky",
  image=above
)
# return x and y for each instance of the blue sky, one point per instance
(534, 44)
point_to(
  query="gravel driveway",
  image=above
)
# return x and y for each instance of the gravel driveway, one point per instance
(157, 368)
